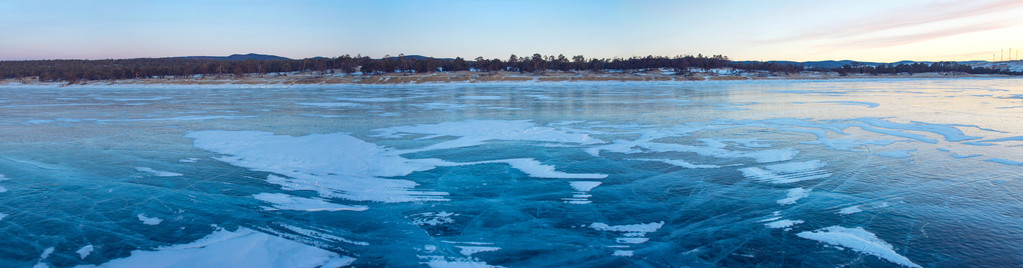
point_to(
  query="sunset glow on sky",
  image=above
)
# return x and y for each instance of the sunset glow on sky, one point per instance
(800, 30)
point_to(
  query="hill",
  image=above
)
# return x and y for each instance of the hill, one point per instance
(250, 56)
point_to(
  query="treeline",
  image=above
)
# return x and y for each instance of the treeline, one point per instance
(77, 70)
(917, 67)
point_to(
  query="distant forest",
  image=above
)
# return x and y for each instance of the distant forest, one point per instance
(79, 70)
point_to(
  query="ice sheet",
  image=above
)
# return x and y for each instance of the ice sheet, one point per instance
(240, 248)
(859, 240)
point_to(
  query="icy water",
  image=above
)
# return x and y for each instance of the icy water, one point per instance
(764, 173)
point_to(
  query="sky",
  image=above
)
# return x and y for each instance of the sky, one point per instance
(798, 30)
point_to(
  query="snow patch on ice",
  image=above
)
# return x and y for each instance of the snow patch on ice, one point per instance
(469, 250)
(288, 202)
(631, 233)
(370, 99)
(536, 169)
(241, 248)
(860, 103)
(149, 221)
(678, 163)
(321, 235)
(859, 240)
(480, 97)
(432, 218)
(850, 210)
(793, 195)
(477, 132)
(158, 173)
(782, 224)
(641, 228)
(1005, 161)
(581, 196)
(334, 165)
(787, 172)
(330, 104)
(84, 251)
(453, 262)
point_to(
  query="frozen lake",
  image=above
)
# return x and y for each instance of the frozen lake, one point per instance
(767, 173)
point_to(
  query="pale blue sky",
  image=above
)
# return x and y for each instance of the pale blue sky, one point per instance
(868, 30)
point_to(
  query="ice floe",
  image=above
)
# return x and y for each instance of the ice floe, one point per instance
(158, 173)
(288, 202)
(2, 216)
(240, 248)
(787, 172)
(859, 240)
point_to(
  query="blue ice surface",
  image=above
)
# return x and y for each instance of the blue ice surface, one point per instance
(514, 175)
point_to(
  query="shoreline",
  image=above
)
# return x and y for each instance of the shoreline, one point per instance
(473, 77)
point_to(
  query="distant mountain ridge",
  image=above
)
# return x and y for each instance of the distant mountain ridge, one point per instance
(250, 56)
